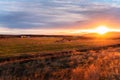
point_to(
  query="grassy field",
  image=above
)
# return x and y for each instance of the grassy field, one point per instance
(63, 58)
(17, 46)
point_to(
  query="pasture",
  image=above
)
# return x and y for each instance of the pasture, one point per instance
(59, 58)
(18, 46)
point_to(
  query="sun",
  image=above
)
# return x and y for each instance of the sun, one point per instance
(101, 30)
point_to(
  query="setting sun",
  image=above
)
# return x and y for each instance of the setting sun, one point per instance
(101, 30)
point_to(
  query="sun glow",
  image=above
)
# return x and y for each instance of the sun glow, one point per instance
(101, 30)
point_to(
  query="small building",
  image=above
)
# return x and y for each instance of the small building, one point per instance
(24, 36)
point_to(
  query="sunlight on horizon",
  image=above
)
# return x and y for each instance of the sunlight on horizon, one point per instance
(102, 30)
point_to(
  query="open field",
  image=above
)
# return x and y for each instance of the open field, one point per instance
(18, 46)
(59, 58)
(59, 39)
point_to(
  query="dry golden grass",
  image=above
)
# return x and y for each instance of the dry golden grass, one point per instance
(102, 64)
(96, 60)
(104, 67)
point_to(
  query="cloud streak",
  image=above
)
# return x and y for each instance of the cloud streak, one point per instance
(56, 14)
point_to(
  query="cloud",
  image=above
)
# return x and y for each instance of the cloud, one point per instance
(55, 14)
(4, 30)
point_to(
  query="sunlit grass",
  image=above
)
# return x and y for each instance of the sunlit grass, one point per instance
(18, 46)
(102, 64)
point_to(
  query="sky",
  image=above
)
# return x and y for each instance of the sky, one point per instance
(57, 16)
